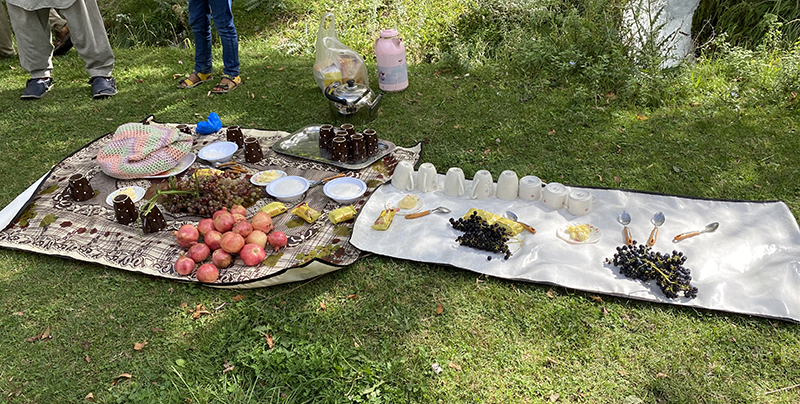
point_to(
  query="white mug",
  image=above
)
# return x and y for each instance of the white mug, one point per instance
(554, 195)
(507, 186)
(580, 202)
(454, 182)
(403, 177)
(530, 188)
(482, 185)
(427, 178)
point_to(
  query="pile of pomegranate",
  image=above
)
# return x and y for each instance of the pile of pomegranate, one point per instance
(225, 234)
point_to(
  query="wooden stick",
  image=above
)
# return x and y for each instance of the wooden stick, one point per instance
(782, 389)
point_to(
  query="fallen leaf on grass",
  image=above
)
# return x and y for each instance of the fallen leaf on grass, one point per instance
(661, 375)
(270, 342)
(138, 346)
(757, 186)
(42, 336)
(642, 117)
(552, 361)
(238, 298)
(157, 329)
(89, 397)
(184, 305)
(87, 359)
(622, 373)
(550, 294)
(322, 306)
(597, 298)
(18, 313)
(353, 296)
(228, 367)
(554, 397)
(605, 311)
(199, 311)
(793, 97)
(439, 308)
(280, 68)
(600, 176)
(552, 132)
(452, 365)
(120, 377)
(616, 180)
(176, 76)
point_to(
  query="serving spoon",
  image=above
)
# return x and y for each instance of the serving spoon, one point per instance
(657, 220)
(624, 219)
(440, 209)
(708, 229)
(513, 216)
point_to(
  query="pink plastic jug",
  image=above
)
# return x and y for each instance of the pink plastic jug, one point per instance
(391, 59)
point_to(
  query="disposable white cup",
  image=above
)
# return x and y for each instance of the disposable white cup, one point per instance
(530, 188)
(554, 195)
(454, 182)
(403, 177)
(507, 186)
(427, 178)
(580, 202)
(482, 185)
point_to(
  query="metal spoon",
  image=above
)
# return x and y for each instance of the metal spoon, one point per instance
(708, 229)
(440, 209)
(657, 220)
(625, 219)
(513, 216)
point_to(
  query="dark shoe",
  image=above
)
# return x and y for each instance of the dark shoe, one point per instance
(62, 44)
(103, 87)
(37, 88)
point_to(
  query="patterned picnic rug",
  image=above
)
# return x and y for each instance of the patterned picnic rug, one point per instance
(53, 223)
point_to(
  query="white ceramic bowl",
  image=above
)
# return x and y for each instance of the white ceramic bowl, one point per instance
(218, 152)
(345, 190)
(288, 189)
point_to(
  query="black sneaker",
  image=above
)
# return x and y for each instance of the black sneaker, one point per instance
(37, 88)
(103, 87)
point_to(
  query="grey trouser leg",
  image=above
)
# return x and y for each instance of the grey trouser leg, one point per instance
(89, 37)
(33, 40)
(6, 46)
(34, 43)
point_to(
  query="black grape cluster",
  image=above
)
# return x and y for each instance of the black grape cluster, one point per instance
(481, 235)
(215, 192)
(640, 262)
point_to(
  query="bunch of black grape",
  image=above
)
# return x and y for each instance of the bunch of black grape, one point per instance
(214, 192)
(640, 262)
(481, 235)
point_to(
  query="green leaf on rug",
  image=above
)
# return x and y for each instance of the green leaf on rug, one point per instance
(272, 260)
(49, 190)
(342, 231)
(48, 220)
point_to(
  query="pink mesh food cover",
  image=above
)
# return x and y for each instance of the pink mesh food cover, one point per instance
(138, 150)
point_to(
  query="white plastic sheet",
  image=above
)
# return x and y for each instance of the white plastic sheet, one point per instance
(748, 266)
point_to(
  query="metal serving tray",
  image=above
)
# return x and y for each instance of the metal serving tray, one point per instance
(305, 144)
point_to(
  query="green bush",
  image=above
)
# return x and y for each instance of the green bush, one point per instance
(146, 22)
(744, 21)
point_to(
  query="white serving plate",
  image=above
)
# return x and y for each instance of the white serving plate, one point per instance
(594, 234)
(138, 195)
(394, 200)
(185, 163)
(257, 183)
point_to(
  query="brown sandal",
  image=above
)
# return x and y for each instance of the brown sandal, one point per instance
(232, 84)
(195, 79)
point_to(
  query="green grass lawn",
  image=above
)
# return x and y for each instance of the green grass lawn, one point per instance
(372, 331)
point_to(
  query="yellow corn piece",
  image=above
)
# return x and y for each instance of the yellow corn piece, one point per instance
(306, 213)
(274, 208)
(384, 220)
(510, 226)
(342, 214)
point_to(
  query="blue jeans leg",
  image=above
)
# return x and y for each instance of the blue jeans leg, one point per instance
(200, 21)
(223, 23)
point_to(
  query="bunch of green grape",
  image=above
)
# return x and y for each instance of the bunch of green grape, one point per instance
(213, 193)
